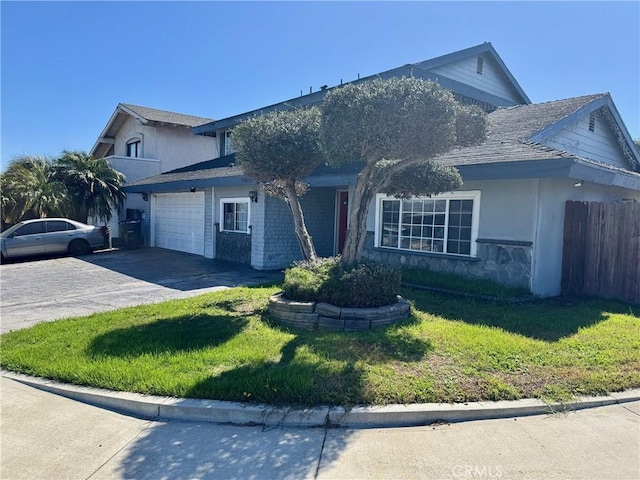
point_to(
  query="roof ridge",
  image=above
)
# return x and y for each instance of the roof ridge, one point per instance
(133, 106)
(592, 95)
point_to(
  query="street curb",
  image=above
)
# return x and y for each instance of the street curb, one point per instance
(216, 411)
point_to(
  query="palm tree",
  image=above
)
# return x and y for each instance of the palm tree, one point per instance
(94, 186)
(29, 191)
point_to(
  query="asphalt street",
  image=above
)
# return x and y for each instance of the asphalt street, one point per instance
(45, 436)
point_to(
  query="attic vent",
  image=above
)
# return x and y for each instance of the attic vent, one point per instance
(480, 65)
(592, 121)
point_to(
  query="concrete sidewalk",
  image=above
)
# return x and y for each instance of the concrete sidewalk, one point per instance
(222, 412)
(46, 436)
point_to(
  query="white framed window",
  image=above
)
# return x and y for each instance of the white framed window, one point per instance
(134, 148)
(226, 145)
(234, 214)
(446, 223)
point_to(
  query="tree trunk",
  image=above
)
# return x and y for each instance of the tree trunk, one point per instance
(356, 236)
(304, 239)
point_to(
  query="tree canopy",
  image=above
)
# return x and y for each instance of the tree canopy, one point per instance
(28, 190)
(74, 185)
(278, 150)
(93, 185)
(395, 128)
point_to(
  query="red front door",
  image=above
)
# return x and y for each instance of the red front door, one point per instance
(342, 220)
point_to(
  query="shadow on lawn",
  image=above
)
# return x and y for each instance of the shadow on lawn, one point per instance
(545, 319)
(188, 332)
(298, 378)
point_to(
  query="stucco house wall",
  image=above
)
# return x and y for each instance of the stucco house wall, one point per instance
(553, 194)
(504, 240)
(169, 146)
(520, 232)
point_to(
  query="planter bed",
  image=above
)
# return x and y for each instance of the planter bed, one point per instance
(323, 316)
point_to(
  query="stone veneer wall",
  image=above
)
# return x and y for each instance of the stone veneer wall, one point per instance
(234, 247)
(502, 261)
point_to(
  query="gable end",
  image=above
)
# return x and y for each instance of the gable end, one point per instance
(593, 131)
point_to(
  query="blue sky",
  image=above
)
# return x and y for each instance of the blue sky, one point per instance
(66, 65)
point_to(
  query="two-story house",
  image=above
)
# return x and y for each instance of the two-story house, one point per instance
(504, 224)
(142, 142)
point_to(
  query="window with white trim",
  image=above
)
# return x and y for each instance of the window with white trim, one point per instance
(234, 215)
(226, 145)
(441, 224)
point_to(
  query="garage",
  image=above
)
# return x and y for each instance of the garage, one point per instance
(178, 222)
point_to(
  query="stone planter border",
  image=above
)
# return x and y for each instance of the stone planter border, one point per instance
(323, 316)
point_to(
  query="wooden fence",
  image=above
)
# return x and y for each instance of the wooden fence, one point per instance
(601, 250)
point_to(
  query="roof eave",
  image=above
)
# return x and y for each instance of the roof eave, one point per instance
(179, 185)
(105, 131)
(574, 168)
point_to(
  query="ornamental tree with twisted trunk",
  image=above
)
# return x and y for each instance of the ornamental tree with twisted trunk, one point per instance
(278, 150)
(396, 128)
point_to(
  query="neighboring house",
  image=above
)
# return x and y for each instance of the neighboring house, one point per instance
(142, 142)
(505, 223)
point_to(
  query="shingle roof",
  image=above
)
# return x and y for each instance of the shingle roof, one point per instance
(510, 129)
(181, 175)
(508, 140)
(164, 116)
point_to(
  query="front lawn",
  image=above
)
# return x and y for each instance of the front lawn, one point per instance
(222, 346)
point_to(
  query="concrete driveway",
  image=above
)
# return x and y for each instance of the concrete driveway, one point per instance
(39, 290)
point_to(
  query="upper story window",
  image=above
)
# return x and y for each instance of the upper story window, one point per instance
(442, 224)
(226, 147)
(235, 215)
(134, 148)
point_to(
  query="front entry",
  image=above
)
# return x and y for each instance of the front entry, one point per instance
(342, 219)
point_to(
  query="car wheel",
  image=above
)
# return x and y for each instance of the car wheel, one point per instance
(78, 247)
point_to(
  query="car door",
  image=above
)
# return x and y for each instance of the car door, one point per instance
(27, 240)
(58, 236)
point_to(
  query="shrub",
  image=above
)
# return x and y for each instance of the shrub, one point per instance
(367, 284)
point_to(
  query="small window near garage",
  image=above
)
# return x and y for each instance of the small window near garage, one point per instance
(134, 148)
(235, 215)
(592, 122)
(480, 65)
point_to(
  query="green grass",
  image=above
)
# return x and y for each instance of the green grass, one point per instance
(450, 281)
(223, 346)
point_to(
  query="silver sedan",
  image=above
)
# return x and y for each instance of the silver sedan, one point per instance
(46, 236)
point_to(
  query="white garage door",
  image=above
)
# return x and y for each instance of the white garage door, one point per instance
(179, 222)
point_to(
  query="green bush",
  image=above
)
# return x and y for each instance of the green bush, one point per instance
(367, 284)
